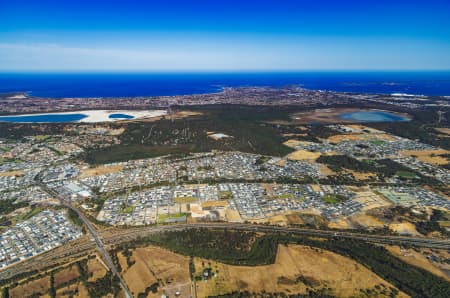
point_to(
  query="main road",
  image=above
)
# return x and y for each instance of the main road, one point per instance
(100, 247)
(108, 238)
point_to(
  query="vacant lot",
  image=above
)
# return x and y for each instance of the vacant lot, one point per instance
(66, 275)
(406, 228)
(12, 173)
(304, 155)
(429, 156)
(296, 268)
(157, 265)
(381, 137)
(366, 221)
(101, 170)
(443, 130)
(41, 286)
(96, 270)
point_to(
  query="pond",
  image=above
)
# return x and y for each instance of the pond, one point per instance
(43, 118)
(372, 116)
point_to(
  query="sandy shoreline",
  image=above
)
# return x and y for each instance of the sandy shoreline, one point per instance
(95, 116)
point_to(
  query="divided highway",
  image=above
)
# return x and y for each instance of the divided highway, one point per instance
(107, 238)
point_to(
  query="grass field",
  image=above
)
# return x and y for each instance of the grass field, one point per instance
(331, 198)
(405, 174)
(163, 217)
(185, 200)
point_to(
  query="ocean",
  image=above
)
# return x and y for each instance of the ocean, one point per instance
(60, 85)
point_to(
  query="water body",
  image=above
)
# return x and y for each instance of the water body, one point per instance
(372, 116)
(46, 118)
(156, 84)
(120, 116)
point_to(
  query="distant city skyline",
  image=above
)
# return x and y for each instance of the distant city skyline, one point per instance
(224, 35)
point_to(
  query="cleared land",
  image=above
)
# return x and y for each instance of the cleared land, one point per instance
(12, 173)
(40, 285)
(406, 228)
(296, 268)
(429, 156)
(101, 170)
(157, 265)
(443, 130)
(304, 155)
(379, 137)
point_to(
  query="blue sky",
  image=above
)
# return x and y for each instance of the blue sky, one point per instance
(209, 35)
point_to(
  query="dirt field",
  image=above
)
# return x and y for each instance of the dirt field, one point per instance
(341, 223)
(428, 156)
(155, 264)
(279, 220)
(293, 264)
(361, 176)
(66, 275)
(326, 171)
(418, 259)
(304, 155)
(101, 170)
(12, 173)
(357, 137)
(366, 221)
(294, 219)
(370, 199)
(184, 114)
(78, 287)
(404, 228)
(294, 143)
(233, 215)
(443, 130)
(36, 286)
(96, 270)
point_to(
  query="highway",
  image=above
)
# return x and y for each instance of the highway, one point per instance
(108, 238)
(100, 247)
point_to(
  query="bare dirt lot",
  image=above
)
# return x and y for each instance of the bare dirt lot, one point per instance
(17, 173)
(405, 228)
(304, 155)
(443, 130)
(101, 170)
(359, 137)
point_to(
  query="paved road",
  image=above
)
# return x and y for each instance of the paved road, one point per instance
(100, 247)
(110, 238)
